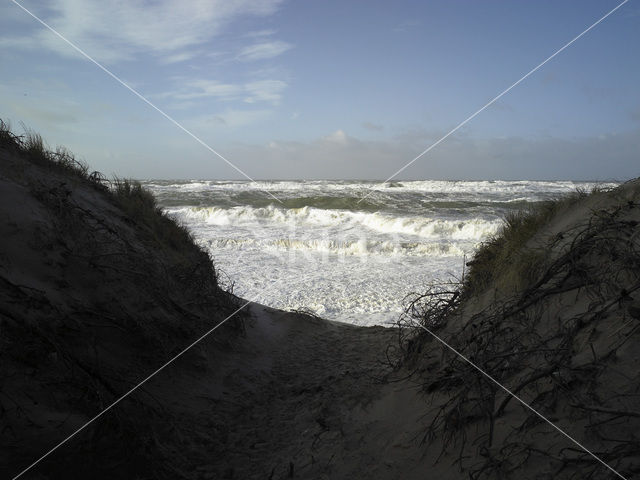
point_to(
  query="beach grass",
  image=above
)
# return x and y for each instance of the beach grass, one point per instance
(139, 203)
(509, 257)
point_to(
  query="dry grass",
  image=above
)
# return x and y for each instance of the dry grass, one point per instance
(32, 146)
(508, 256)
(138, 203)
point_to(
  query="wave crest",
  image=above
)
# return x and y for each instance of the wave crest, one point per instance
(356, 224)
(336, 247)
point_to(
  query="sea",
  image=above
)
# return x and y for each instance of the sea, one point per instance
(351, 251)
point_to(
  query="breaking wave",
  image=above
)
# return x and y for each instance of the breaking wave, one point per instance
(356, 223)
(337, 247)
(349, 250)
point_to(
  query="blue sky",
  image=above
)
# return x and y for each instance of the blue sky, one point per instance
(331, 89)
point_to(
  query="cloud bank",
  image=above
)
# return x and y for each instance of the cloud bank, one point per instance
(123, 29)
(340, 156)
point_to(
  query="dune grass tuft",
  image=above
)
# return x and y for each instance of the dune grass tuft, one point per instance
(508, 257)
(33, 147)
(138, 203)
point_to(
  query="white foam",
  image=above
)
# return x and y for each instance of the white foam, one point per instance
(351, 265)
(351, 248)
(300, 218)
(473, 188)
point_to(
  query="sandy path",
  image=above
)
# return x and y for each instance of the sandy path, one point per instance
(301, 397)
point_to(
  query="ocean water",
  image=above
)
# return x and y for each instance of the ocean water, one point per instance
(347, 250)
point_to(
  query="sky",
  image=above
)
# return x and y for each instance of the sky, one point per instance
(346, 89)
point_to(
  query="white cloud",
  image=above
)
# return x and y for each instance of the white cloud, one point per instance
(229, 118)
(211, 88)
(121, 29)
(261, 33)
(338, 137)
(263, 51)
(180, 57)
(267, 91)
